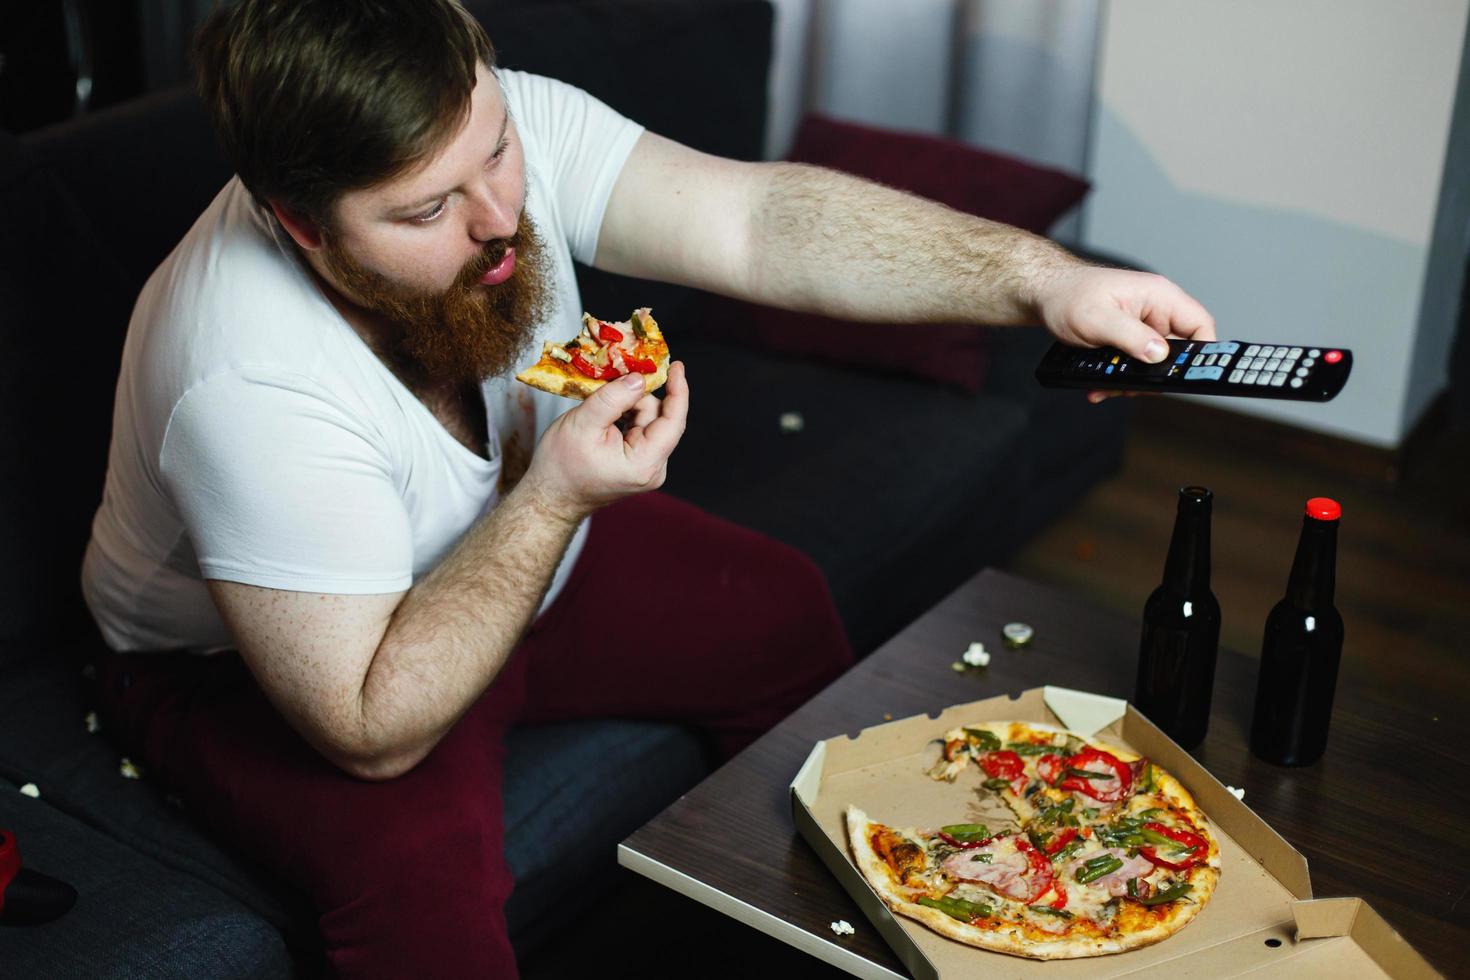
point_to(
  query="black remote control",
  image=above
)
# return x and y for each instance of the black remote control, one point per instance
(1204, 367)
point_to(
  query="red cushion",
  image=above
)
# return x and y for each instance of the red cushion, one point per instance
(975, 181)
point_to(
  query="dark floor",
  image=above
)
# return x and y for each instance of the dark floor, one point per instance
(1403, 591)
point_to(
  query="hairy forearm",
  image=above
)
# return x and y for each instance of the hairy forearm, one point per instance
(455, 629)
(825, 242)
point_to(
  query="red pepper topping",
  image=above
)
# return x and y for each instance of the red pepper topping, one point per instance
(582, 364)
(1061, 901)
(1091, 760)
(1003, 764)
(643, 365)
(1041, 877)
(607, 332)
(1049, 767)
(1061, 840)
(1193, 843)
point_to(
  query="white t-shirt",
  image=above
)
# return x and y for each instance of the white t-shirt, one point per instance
(257, 439)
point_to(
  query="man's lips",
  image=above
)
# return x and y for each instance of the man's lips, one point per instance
(501, 270)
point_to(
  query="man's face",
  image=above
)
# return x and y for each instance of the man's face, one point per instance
(444, 255)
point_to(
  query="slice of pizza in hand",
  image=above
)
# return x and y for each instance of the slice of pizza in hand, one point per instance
(601, 352)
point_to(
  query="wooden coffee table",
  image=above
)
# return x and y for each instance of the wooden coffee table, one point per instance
(1382, 816)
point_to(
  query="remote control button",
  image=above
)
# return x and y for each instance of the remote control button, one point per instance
(1308, 362)
(1203, 374)
(1252, 350)
(1220, 347)
(1294, 353)
(1332, 356)
(1224, 360)
(1235, 375)
(1301, 372)
(1273, 364)
(1268, 352)
(1246, 363)
(1251, 376)
(1279, 379)
(1288, 359)
(1182, 358)
(1314, 352)
(1210, 359)
(1264, 379)
(1296, 382)
(1199, 359)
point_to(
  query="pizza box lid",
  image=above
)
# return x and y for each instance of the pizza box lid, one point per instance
(1261, 917)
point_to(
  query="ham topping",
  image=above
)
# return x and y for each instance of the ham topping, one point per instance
(1116, 884)
(1006, 873)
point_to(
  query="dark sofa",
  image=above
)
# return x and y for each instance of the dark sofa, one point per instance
(897, 488)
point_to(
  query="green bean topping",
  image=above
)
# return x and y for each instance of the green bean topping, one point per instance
(1072, 847)
(957, 908)
(1177, 890)
(989, 741)
(966, 832)
(995, 782)
(1088, 774)
(1031, 748)
(1047, 909)
(1092, 873)
(1154, 837)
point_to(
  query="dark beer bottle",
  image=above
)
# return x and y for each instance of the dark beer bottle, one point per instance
(1181, 630)
(1301, 649)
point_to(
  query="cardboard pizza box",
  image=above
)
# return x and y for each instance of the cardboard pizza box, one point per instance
(1261, 920)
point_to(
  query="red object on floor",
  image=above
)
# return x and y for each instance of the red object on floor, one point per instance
(9, 863)
(409, 875)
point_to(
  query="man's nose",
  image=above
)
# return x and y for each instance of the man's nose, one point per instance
(490, 218)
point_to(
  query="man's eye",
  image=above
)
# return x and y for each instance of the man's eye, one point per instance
(430, 214)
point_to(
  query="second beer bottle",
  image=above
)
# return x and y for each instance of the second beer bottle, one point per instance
(1181, 630)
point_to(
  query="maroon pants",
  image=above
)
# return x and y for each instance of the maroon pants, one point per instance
(730, 631)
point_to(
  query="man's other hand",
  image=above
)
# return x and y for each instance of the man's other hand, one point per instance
(586, 460)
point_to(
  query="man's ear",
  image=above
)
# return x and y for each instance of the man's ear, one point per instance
(305, 232)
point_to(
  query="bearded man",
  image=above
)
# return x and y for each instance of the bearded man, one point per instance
(340, 551)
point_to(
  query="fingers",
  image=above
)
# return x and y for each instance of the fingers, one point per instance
(607, 404)
(1132, 336)
(1179, 314)
(644, 412)
(661, 435)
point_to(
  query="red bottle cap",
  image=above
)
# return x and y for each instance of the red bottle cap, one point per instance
(1324, 509)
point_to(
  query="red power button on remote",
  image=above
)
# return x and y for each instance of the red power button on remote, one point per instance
(1332, 356)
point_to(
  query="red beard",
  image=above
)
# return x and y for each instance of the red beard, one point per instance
(466, 333)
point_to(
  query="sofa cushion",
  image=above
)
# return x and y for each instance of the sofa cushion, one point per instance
(133, 917)
(966, 178)
(564, 817)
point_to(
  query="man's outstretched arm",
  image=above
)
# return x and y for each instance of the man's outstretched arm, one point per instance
(810, 239)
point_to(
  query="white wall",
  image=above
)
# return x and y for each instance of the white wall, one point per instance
(1285, 163)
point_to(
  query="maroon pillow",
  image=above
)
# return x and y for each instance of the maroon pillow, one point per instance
(975, 181)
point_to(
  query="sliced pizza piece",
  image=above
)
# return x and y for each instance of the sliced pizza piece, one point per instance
(603, 351)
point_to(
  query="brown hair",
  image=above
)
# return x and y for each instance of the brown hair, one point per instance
(312, 98)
